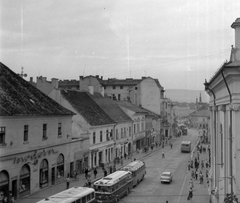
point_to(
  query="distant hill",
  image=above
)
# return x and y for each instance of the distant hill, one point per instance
(181, 95)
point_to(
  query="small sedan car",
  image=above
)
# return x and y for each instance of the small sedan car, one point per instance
(166, 177)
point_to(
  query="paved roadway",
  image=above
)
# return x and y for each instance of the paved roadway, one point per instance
(150, 190)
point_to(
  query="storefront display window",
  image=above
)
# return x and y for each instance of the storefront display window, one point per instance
(60, 166)
(24, 183)
(44, 173)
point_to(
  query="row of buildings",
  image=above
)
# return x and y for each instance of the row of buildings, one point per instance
(48, 129)
(224, 91)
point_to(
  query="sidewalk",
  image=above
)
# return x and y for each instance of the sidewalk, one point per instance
(200, 191)
(44, 193)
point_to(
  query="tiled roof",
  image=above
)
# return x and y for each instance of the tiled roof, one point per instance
(19, 97)
(132, 107)
(201, 113)
(111, 108)
(87, 107)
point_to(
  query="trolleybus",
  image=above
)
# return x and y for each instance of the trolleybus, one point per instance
(113, 187)
(138, 170)
(72, 195)
(186, 146)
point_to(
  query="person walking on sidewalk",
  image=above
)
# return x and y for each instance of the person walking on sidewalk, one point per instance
(95, 172)
(191, 185)
(163, 155)
(86, 173)
(190, 194)
(68, 181)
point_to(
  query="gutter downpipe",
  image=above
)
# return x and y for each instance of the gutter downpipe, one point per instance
(215, 132)
(230, 137)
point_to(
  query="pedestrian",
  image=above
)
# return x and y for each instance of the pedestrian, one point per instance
(68, 181)
(206, 163)
(196, 174)
(11, 198)
(89, 181)
(190, 194)
(192, 174)
(75, 174)
(191, 185)
(110, 169)
(125, 155)
(95, 172)
(202, 164)
(114, 168)
(163, 155)
(105, 172)
(121, 161)
(206, 174)
(86, 173)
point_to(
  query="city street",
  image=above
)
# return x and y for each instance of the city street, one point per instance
(151, 190)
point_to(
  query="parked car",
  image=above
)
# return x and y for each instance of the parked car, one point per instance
(166, 177)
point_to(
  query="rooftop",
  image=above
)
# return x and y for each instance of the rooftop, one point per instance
(19, 97)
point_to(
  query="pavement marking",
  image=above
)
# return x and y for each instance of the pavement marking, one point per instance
(181, 191)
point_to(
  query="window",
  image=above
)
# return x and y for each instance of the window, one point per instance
(125, 132)
(114, 87)
(116, 134)
(134, 128)
(121, 132)
(138, 127)
(136, 88)
(107, 135)
(59, 129)
(94, 137)
(25, 133)
(2, 135)
(44, 131)
(130, 131)
(100, 136)
(121, 87)
(142, 127)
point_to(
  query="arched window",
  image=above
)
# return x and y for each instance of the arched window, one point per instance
(60, 166)
(4, 183)
(24, 183)
(43, 174)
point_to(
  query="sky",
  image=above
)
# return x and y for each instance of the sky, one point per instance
(179, 42)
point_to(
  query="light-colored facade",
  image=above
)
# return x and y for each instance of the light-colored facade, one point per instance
(224, 91)
(138, 126)
(200, 119)
(35, 137)
(101, 143)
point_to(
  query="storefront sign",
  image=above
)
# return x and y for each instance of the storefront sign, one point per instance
(34, 156)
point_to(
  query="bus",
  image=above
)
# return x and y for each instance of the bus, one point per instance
(186, 146)
(113, 187)
(72, 195)
(138, 170)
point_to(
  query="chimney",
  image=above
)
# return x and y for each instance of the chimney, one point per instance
(236, 26)
(31, 79)
(102, 90)
(90, 89)
(55, 83)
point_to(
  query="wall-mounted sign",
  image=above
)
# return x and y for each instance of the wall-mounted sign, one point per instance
(36, 155)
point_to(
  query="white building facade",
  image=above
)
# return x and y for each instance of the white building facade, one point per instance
(224, 91)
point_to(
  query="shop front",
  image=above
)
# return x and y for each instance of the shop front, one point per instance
(29, 172)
